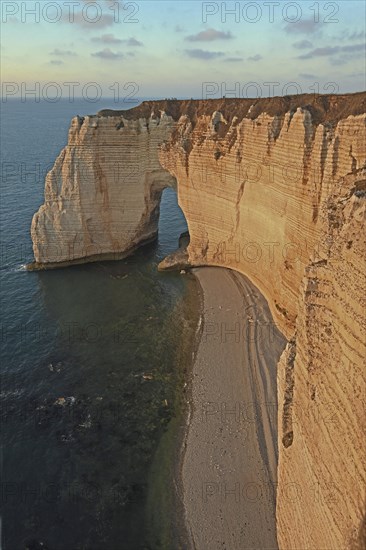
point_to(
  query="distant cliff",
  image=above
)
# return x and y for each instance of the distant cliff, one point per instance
(274, 188)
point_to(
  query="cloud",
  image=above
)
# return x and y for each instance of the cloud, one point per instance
(178, 28)
(307, 26)
(56, 62)
(107, 39)
(348, 35)
(63, 53)
(302, 44)
(345, 57)
(356, 35)
(132, 42)
(320, 52)
(356, 75)
(256, 57)
(307, 75)
(209, 35)
(105, 20)
(341, 60)
(203, 54)
(234, 59)
(332, 50)
(108, 54)
(111, 39)
(354, 48)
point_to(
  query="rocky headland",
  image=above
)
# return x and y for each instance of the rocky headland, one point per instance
(275, 189)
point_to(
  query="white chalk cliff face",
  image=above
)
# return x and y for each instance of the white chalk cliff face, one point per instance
(102, 196)
(276, 189)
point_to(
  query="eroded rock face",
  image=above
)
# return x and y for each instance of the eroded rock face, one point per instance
(103, 194)
(274, 188)
(251, 191)
(322, 386)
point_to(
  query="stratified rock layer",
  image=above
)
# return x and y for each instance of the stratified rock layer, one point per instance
(103, 194)
(322, 387)
(273, 188)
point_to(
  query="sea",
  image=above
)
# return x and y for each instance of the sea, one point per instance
(94, 367)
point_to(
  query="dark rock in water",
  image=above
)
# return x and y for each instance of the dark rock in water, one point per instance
(184, 240)
(178, 260)
(175, 262)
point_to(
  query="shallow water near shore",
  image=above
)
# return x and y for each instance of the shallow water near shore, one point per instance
(91, 387)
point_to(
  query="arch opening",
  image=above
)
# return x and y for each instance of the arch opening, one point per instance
(173, 234)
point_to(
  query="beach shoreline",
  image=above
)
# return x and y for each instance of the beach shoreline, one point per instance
(165, 507)
(228, 458)
(185, 536)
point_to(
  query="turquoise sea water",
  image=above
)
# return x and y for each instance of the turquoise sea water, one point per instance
(89, 372)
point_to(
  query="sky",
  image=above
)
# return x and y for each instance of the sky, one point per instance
(181, 48)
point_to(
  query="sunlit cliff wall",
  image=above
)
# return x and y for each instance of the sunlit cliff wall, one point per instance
(274, 188)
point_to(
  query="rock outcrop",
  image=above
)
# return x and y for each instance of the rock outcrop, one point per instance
(273, 188)
(103, 194)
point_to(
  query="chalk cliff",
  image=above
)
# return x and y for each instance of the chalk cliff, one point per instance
(276, 189)
(321, 384)
(102, 196)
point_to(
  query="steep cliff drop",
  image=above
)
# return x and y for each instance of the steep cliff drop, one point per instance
(273, 188)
